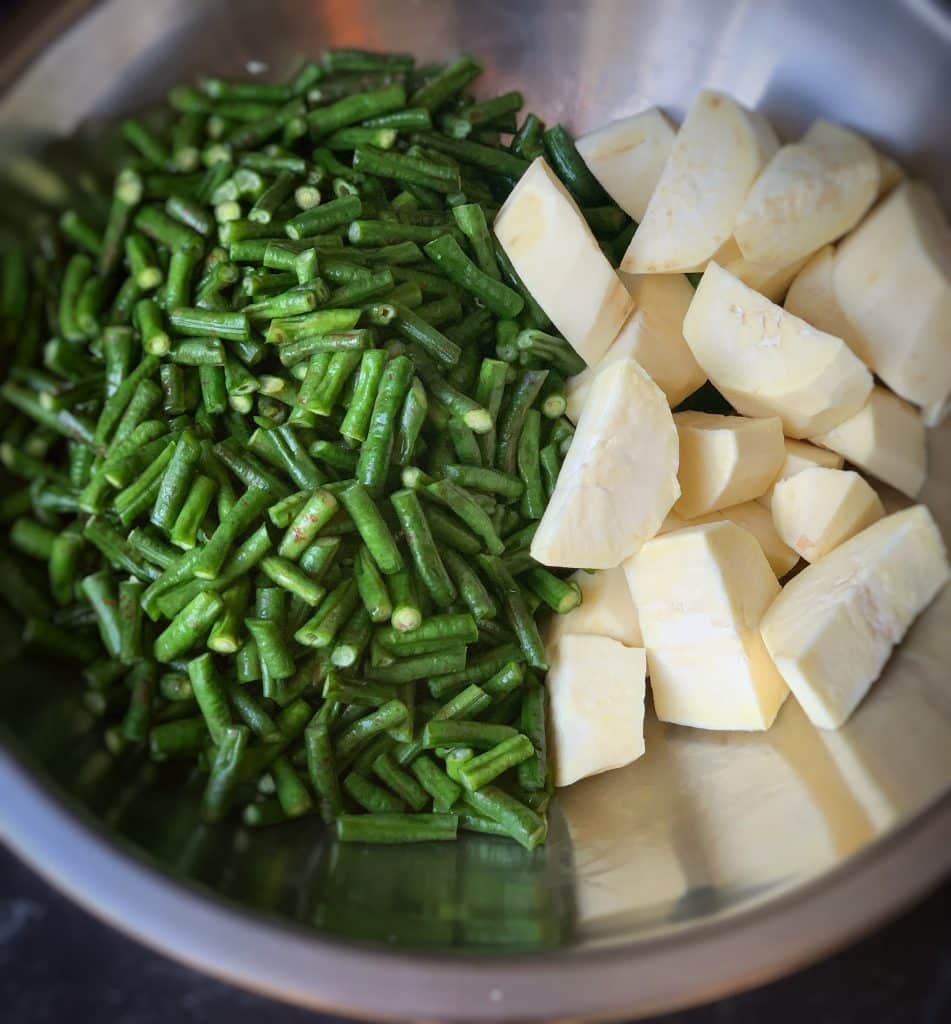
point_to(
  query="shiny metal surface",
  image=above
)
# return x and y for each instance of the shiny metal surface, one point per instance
(715, 861)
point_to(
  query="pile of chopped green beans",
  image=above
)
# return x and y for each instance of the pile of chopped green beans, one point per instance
(279, 422)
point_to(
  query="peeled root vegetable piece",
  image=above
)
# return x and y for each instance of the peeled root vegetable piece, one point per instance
(596, 690)
(560, 262)
(719, 151)
(886, 438)
(653, 335)
(892, 279)
(765, 278)
(812, 298)
(810, 193)
(606, 609)
(700, 593)
(834, 625)
(818, 509)
(766, 362)
(725, 460)
(757, 520)
(619, 478)
(627, 157)
(801, 455)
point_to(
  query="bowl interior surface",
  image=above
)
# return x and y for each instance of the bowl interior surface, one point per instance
(706, 824)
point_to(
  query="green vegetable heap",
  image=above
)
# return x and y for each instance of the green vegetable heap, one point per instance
(282, 459)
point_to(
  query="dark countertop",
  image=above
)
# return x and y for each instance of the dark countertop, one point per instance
(58, 963)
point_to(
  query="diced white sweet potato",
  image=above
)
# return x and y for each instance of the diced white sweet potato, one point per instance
(627, 157)
(653, 335)
(810, 193)
(725, 460)
(892, 279)
(552, 248)
(767, 362)
(719, 151)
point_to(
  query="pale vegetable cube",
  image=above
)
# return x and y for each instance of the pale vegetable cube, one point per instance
(752, 516)
(606, 609)
(810, 193)
(560, 262)
(720, 149)
(886, 438)
(627, 157)
(812, 298)
(890, 174)
(770, 281)
(725, 460)
(834, 625)
(596, 690)
(619, 478)
(893, 282)
(765, 278)
(653, 335)
(818, 509)
(700, 594)
(801, 455)
(767, 362)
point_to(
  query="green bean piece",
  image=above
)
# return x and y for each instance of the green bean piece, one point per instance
(447, 83)
(175, 482)
(371, 587)
(224, 777)
(434, 634)
(548, 348)
(226, 635)
(406, 169)
(463, 505)
(309, 520)
(479, 771)
(517, 611)
(336, 608)
(529, 467)
(130, 621)
(376, 450)
(352, 640)
(273, 649)
(550, 460)
(426, 557)
(471, 589)
(211, 695)
(353, 109)
(408, 670)
(402, 784)
(100, 591)
(188, 522)
(448, 732)
(188, 627)
(370, 797)
(64, 560)
(513, 414)
(522, 823)
(321, 766)
(294, 798)
(141, 682)
(571, 168)
(407, 614)
(293, 579)
(212, 556)
(372, 528)
(448, 255)
(560, 595)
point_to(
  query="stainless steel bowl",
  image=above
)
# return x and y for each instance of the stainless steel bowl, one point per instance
(718, 860)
